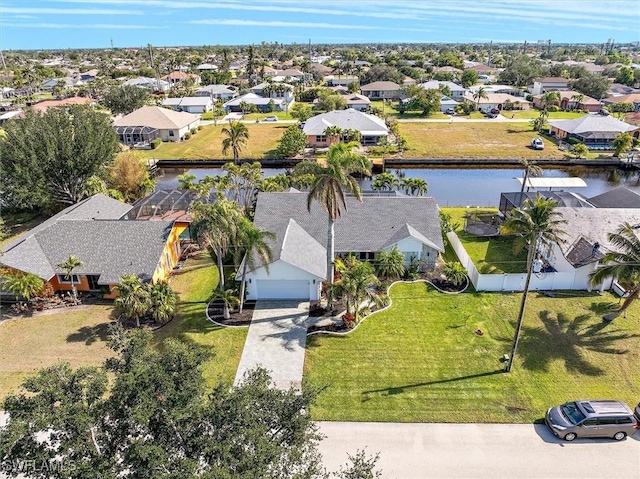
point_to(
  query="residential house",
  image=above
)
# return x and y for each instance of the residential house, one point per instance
(110, 247)
(457, 91)
(354, 100)
(543, 85)
(215, 92)
(207, 67)
(262, 104)
(293, 74)
(8, 115)
(448, 69)
(152, 84)
(378, 223)
(617, 89)
(150, 122)
(74, 100)
(447, 103)
(341, 80)
(617, 198)
(500, 101)
(633, 98)
(569, 100)
(66, 82)
(195, 105)
(177, 76)
(382, 90)
(281, 91)
(595, 131)
(89, 75)
(371, 128)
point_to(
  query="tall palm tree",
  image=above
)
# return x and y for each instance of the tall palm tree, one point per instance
(237, 135)
(415, 186)
(330, 185)
(216, 226)
(133, 297)
(539, 224)
(480, 93)
(68, 266)
(253, 243)
(550, 98)
(577, 99)
(530, 169)
(623, 265)
(356, 285)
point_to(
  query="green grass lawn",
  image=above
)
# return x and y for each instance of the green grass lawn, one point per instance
(473, 140)
(207, 143)
(531, 114)
(493, 255)
(282, 115)
(420, 360)
(390, 109)
(79, 338)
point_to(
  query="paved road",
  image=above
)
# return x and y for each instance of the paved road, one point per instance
(276, 340)
(479, 451)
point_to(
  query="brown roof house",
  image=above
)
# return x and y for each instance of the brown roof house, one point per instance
(571, 100)
(379, 90)
(150, 122)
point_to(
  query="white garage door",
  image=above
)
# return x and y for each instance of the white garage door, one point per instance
(283, 289)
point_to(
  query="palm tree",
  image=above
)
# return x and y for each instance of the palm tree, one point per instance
(253, 242)
(550, 98)
(163, 302)
(333, 132)
(390, 264)
(385, 181)
(538, 224)
(577, 99)
(356, 286)
(228, 298)
(330, 185)
(216, 227)
(530, 169)
(237, 135)
(68, 266)
(455, 272)
(23, 285)
(624, 266)
(480, 93)
(415, 186)
(133, 297)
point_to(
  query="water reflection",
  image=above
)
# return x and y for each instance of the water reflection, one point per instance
(465, 186)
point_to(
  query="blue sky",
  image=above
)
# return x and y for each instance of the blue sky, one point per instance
(40, 24)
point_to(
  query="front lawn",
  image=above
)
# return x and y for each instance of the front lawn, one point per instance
(473, 140)
(421, 360)
(207, 143)
(531, 114)
(390, 109)
(491, 255)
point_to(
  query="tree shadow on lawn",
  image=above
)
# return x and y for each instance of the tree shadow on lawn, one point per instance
(401, 389)
(566, 339)
(91, 334)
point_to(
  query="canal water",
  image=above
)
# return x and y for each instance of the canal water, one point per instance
(464, 186)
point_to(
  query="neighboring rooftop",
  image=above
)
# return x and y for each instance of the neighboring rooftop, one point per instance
(157, 117)
(367, 125)
(618, 198)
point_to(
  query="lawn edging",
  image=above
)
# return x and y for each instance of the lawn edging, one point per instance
(206, 312)
(335, 333)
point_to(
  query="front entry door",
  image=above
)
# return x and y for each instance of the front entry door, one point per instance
(92, 279)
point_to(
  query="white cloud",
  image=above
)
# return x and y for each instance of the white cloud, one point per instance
(277, 23)
(101, 26)
(66, 11)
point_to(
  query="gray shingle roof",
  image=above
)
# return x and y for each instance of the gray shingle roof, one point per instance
(370, 225)
(618, 198)
(299, 249)
(346, 119)
(592, 123)
(109, 248)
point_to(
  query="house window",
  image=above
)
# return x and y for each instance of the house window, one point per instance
(171, 133)
(366, 255)
(167, 259)
(66, 279)
(321, 138)
(176, 247)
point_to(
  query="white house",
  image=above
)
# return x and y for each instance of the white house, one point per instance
(222, 92)
(149, 83)
(378, 223)
(167, 124)
(196, 104)
(371, 128)
(543, 85)
(457, 91)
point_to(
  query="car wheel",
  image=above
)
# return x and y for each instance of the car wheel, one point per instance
(570, 437)
(619, 436)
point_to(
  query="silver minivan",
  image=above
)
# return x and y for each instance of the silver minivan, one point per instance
(601, 418)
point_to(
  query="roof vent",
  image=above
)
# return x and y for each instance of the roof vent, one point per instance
(596, 248)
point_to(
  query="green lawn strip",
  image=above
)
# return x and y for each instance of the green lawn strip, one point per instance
(282, 115)
(207, 143)
(30, 344)
(194, 284)
(492, 255)
(420, 360)
(390, 109)
(531, 114)
(473, 140)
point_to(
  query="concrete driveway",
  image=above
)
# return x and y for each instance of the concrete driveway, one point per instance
(491, 451)
(276, 340)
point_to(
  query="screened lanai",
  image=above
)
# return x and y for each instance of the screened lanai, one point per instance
(163, 205)
(134, 135)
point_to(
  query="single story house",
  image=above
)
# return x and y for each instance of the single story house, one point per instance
(501, 101)
(371, 128)
(595, 131)
(569, 100)
(73, 100)
(110, 247)
(586, 241)
(354, 100)
(629, 98)
(66, 82)
(215, 92)
(176, 77)
(543, 85)
(341, 80)
(150, 122)
(207, 67)
(378, 223)
(446, 103)
(457, 91)
(379, 90)
(617, 198)
(194, 104)
(278, 91)
(152, 84)
(260, 102)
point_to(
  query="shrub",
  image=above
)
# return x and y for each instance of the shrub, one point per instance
(573, 141)
(193, 130)
(529, 98)
(187, 135)
(553, 108)
(156, 143)
(207, 116)
(200, 127)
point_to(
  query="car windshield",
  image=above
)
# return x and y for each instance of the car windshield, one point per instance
(572, 413)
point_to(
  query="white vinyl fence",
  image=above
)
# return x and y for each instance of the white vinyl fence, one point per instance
(508, 281)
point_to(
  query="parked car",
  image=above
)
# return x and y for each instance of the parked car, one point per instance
(537, 144)
(450, 111)
(271, 118)
(601, 418)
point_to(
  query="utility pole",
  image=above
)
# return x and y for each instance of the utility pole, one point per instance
(490, 50)
(112, 43)
(4, 65)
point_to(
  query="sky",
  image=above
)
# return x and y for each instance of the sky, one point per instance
(48, 24)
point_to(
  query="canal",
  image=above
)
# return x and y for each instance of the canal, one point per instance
(465, 186)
